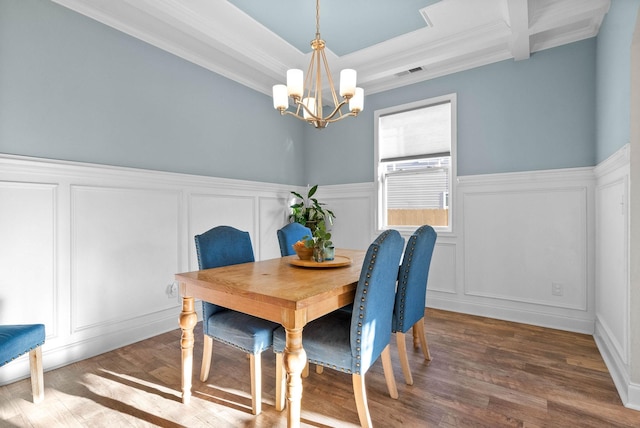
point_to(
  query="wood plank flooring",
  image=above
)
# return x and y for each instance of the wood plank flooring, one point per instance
(484, 373)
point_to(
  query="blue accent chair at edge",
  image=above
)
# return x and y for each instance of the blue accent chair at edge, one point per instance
(411, 294)
(352, 342)
(16, 340)
(289, 235)
(224, 246)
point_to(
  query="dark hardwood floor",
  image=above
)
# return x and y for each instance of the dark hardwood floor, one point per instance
(484, 373)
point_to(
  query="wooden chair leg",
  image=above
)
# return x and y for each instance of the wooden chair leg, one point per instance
(418, 329)
(207, 351)
(256, 383)
(281, 379)
(416, 341)
(305, 370)
(360, 393)
(37, 375)
(319, 369)
(404, 358)
(387, 367)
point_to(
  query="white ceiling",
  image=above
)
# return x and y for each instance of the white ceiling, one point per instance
(254, 42)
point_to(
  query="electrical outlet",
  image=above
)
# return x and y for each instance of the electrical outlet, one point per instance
(557, 289)
(172, 290)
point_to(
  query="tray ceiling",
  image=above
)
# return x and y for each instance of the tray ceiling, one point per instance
(389, 43)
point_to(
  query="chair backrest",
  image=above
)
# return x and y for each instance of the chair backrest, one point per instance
(221, 246)
(373, 302)
(412, 279)
(289, 235)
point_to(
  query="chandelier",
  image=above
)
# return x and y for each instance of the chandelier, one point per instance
(307, 95)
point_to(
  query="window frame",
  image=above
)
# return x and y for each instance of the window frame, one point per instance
(380, 219)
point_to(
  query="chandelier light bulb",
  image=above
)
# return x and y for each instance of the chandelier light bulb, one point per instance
(295, 83)
(280, 97)
(356, 103)
(347, 82)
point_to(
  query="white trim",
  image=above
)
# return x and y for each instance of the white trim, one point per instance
(491, 309)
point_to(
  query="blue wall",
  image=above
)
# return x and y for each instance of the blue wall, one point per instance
(614, 77)
(74, 89)
(512, 116)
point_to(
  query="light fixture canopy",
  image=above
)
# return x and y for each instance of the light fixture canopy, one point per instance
(307, 93)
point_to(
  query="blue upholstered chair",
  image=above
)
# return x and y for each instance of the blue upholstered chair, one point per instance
(16, 340)
(289, 235)
(224, 246)
(352, 342)
(411, 294)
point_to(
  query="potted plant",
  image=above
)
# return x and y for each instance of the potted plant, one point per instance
(311, 213)
(308, 211)
(314, 245)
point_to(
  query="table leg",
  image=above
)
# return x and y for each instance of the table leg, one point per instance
(188, 319)
(295, 360)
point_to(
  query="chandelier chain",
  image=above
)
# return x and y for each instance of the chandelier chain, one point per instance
(317, 19)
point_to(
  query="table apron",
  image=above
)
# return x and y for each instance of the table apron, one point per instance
(289, 317)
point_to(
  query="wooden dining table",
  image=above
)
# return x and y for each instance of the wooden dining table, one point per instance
(277, 290)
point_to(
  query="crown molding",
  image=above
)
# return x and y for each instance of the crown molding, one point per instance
(221, 38)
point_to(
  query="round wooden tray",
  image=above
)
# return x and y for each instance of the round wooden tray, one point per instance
(338, 261)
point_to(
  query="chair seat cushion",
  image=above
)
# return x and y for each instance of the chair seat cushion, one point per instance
(16, 340)
(325, 340)
(251, 334)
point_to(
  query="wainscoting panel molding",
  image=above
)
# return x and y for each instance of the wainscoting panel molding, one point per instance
(524, 245)
(28, 229)
(91, 250)
(520, 245)
(442, 272)
(94, 248)
(612, 272)
(124, 252)
(273, 214)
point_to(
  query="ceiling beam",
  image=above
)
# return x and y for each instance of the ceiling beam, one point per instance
(519, 22)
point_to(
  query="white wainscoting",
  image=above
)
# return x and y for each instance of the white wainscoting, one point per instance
(612, 272)
(90, 250)
(516, 235)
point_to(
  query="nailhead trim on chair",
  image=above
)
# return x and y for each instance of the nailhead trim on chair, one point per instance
(381, 238)
(402, 282)
(17, 356)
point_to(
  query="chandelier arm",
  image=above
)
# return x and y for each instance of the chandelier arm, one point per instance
(304, 107)
(308, 80)
(350, 114)
(290, 113)
(336, 111)
(318, 123)
(327, 70)
(318, 56)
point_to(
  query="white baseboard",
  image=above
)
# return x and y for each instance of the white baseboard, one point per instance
(629, 392)
(519, 315)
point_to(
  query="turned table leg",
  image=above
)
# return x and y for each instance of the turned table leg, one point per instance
(188, 319)
(295, 359)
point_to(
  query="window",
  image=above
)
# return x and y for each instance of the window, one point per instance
(415, 162)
